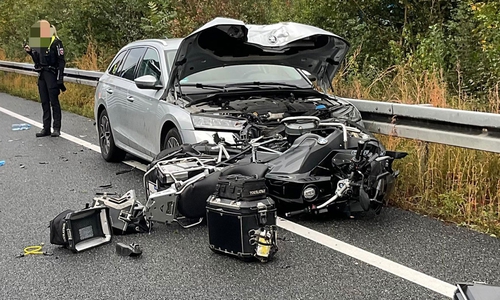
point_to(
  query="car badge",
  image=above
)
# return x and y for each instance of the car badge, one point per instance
(322, 141)
(273, 39)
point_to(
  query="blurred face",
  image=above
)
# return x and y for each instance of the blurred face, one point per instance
(40, 34)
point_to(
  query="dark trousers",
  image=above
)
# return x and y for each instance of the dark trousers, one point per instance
(49, 96)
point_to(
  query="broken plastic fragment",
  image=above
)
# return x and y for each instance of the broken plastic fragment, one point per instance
(125, 171)
(128, 250)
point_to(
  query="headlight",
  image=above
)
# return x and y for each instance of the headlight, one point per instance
(353, 114)
(214, 122)
(310, 193)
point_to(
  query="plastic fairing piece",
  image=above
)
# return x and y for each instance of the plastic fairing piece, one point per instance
(128, 250)
(476, 291)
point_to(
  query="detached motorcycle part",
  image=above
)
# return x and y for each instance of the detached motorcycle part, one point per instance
(476, 290)
(128, 250)
(230, 224)
(126, 212)
(264, 240)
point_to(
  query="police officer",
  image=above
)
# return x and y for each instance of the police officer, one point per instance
(49, 63)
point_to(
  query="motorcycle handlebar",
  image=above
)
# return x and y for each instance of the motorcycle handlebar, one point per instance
(297, 212)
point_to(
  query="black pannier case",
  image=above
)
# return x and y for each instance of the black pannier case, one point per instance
(241, 187)
(236, 227)
(81, 230)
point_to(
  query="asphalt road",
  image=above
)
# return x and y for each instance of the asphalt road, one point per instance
(44, 176)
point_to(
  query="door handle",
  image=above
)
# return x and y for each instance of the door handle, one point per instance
(109, 91)
(130, 98)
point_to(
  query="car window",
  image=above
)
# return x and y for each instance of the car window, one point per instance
(115, 64)
(150, 64)
(130, 64)
(170, 54)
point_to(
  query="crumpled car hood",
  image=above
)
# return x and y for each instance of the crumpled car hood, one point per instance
(225, 42)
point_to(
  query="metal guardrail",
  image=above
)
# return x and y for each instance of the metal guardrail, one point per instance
(466, 129)
(462, 128)
(70, 74)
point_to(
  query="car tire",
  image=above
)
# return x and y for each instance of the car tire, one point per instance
(172, 139)
(109, 151)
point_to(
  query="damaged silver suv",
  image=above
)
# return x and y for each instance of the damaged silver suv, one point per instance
(227, 80)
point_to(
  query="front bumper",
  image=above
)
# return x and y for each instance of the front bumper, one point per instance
(196, 136)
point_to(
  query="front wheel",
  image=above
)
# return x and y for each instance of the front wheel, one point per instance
(109, 151)
(172, 139)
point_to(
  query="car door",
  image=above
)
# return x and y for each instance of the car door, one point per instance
(142, 108)
(109, 91)
(123, 82)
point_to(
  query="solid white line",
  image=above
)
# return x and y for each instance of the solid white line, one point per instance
(394, 268)
(63, 135)
(419, 278)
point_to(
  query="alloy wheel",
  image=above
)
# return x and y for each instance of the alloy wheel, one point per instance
(104, 134)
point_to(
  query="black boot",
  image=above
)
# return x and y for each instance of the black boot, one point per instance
(44, 132)
(56, 133)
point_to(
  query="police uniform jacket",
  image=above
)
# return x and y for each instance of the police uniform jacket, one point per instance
(51, 58)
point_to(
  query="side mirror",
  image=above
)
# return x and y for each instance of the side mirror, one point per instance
(147, 82)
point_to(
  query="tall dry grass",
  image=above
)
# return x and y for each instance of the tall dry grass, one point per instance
(450, 183)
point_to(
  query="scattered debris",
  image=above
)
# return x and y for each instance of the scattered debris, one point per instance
(32, 250)
(82, 136)
(21, 166)
(105, 193)
(23, 126)
(2, 162)
(128, 250)
(63, 158)
(125, 171)
(285, 267)
(43, 162)
(106, 186)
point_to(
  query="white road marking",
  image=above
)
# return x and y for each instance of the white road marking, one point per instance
(419, 278)
(63, 135)
(394, 268)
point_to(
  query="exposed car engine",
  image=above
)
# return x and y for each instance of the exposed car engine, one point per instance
(263, 113)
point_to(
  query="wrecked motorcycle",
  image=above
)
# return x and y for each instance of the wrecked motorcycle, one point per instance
(311, 166)
(331, 164)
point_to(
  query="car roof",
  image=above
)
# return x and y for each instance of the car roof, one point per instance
(166, 44)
